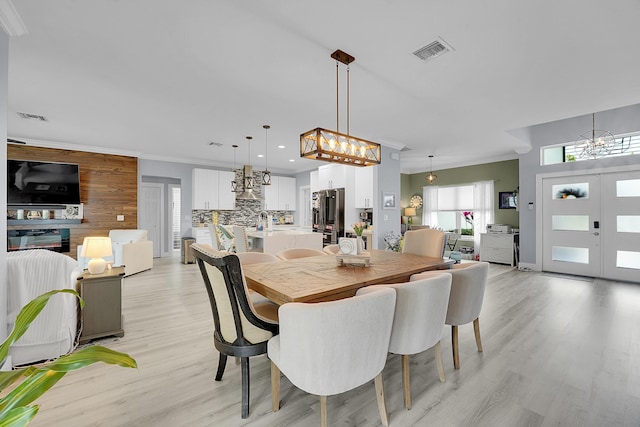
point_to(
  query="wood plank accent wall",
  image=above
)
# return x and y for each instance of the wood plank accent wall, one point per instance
(108, 187)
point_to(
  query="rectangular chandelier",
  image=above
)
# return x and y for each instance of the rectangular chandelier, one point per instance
(331, 146)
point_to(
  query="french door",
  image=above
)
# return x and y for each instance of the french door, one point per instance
(591, 225)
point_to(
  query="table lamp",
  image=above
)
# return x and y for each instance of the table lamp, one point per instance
(410, 213)
(96, 248)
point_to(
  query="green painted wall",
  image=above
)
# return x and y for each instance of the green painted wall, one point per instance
(504, 174)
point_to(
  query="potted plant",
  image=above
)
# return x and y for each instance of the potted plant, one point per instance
(26, 385)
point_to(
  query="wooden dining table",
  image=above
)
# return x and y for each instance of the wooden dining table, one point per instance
(321, 278)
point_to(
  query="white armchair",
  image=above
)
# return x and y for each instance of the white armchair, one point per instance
(31, 273)
(131, 249)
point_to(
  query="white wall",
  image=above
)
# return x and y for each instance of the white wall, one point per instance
(386, 178)
(617, 121)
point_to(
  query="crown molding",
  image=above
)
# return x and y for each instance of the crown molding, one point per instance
(10, 21)
(75, 147)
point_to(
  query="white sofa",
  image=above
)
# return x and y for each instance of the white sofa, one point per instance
(131, 249)
(31, 273)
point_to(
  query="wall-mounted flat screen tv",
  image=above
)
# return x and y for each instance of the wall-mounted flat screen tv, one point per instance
(42, 183)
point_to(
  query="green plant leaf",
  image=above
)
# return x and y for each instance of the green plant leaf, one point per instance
(27, 314)
(19, 417)
(29, 390)
(9, 377)
(90, 355)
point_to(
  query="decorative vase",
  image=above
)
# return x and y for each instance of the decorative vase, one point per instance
(359, 244)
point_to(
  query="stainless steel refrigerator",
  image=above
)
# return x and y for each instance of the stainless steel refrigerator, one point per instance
(328, 214)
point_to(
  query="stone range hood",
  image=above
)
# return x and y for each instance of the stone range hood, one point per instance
(248, 194)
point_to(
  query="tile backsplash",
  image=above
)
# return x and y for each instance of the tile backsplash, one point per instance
(246, 214)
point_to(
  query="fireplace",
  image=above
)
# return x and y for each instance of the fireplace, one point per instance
(53, 239)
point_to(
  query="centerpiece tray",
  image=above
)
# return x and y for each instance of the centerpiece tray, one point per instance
(362, 259)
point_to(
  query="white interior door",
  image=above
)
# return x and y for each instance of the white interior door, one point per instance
(621, 226)
(571, 225)
(151, 214)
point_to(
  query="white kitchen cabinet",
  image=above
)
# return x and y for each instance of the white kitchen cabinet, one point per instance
(314, 181)
(287, 193)
(498, 247)
(212, 190)
(332, 176)
(363, 187)
(281, 194)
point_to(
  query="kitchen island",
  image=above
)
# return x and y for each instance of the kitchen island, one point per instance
(272, 242)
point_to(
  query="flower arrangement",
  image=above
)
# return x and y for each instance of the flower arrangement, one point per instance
(393, 242)
(359, 227)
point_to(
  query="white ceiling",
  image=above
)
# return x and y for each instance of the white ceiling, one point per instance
(161, 79)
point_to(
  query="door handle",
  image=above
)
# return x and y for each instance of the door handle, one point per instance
(596, 233)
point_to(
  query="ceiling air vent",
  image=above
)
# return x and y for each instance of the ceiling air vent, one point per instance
(430, 51)
(33, 116)
(215, 144)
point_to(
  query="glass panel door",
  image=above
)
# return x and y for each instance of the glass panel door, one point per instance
(571, 225)
(621, 206)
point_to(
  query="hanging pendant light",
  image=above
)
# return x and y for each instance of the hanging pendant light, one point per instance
(333, 146)
(266, 175)
(249, 181)
(234, 184)
(431, 177)
(596, 143)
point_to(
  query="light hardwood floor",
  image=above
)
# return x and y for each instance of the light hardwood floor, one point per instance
(558, 350)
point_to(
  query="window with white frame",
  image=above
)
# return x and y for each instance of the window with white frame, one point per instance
(464, 209)
(626, 145)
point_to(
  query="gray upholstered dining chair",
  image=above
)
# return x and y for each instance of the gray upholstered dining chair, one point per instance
(468, 283)
(425, 242)
(294, 253)
(421, 308)
(328, 348)
(239, 329)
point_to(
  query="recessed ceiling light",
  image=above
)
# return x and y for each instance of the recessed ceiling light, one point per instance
(261, 155)
(281, 146)
(292, 160)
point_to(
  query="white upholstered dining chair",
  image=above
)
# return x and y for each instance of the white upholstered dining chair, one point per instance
(331, 249)
(328, 348)
(294, 253)
(425, 242)
(421, 308)
(242, 241)
(468, 283)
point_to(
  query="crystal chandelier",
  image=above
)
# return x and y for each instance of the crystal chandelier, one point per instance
(596, 143)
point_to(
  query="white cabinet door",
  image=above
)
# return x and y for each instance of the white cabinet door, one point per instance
(314, 181)
(271, 194)
(332, 176)
(286, 193)
(212, 190)
(226, 197)
(204, 192)
(281, 194)
(364, 187)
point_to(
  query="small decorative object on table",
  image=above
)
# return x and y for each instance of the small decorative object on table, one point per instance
(392, 242)
(358, 228)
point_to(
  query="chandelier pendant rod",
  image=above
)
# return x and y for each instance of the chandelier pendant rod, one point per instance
(337, 96)
(348, 91)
